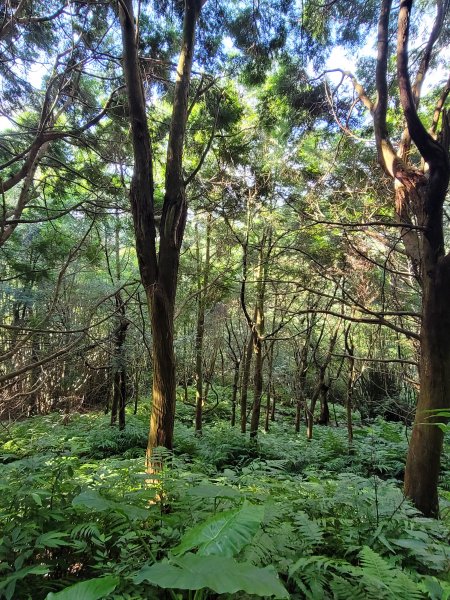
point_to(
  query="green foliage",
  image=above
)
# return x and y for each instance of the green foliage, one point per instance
(331, 523)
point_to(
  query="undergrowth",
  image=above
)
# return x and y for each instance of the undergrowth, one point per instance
(226, 517)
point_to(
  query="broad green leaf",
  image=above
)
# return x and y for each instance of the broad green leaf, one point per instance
(221, 574)
(225, 533)
(416, 545)
(92, 589)
(37, 499)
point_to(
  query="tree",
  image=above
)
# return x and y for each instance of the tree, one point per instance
(420, 189)
(159, 269)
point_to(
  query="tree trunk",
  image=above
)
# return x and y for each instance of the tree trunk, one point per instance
(324, 418)
(350, 350)
(302, 369)
(202, 290)
(258, 386)
(245, 382)
(234, 393)
(425, 447)
(269, 382)
(136, 390)
(119, 365)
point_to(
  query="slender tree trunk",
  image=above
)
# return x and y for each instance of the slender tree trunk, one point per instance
(350, 350)
(235, 392)
(258, 386)
(245, 382)
(258, 329)
(202, 277)
(311, 408)
(34, 408)
(119, 380)
(269, 382)
(210, 372)
(302, 369)
(136, 390)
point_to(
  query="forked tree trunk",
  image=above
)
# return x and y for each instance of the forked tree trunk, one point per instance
(321, 387)
(426, 196)
(159, 271)
(419, 197)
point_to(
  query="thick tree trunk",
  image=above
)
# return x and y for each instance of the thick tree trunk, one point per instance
(164, 382)
(423, 461)
(419, 197)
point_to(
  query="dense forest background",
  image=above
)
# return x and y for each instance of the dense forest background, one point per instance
(223, 245)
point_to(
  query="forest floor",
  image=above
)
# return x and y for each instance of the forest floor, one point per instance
(284, 517)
